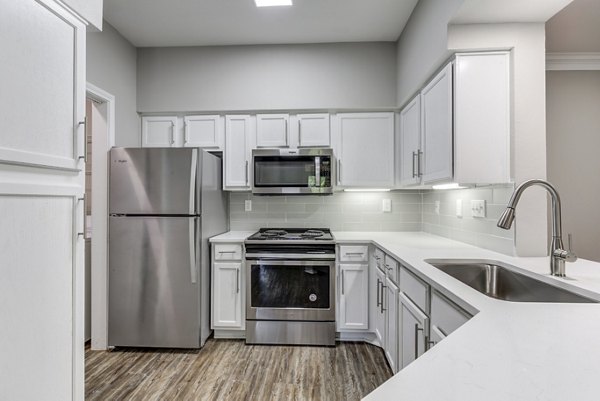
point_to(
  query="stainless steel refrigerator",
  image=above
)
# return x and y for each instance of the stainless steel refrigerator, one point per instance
(164, 204)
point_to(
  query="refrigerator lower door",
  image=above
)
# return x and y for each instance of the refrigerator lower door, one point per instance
(154, 290)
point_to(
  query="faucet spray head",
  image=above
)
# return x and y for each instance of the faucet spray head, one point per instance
(507, 218)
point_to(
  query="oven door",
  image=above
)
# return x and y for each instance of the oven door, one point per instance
(290, 290)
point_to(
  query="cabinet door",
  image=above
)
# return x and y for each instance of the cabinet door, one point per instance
(435, 336)
(413, 326)
(236, 156)
(272, 130)
(379, 317)
(482, 117)
(227, 295)
(391, 331)
(203, 132)
(354, 297)
(365, 150)
(159, 132)
(313, 130)
(436, 146)
(410, 134)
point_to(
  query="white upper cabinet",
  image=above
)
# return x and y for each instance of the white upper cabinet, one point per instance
(272, 131)
(237, 153)
(482, 117)
(364, 145)
(313, 130)
(436, 140)
(159, 131)
(204, 131)
(409, 142)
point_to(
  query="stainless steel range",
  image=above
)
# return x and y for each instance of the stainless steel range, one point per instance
(290, 294)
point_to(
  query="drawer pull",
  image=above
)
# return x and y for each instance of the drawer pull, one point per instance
(355, 253)
(226, 251)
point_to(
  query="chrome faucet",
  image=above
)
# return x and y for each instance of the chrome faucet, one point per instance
(558, 255)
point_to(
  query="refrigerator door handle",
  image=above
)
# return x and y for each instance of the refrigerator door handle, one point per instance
(193, 272)
(193, 188)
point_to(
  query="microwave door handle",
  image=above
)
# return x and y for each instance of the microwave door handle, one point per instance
(317, 171)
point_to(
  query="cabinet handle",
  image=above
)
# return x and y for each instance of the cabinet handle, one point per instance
(237, 281)
(226, 252)
(339, 177)
(419, 171)
(430, 344)
(287, 139)
(299, 131)
(84, 200)
(342, 279)
(414, 170)
(246, 172)
(417, 329)
(172, 133)
(185, 134)
(85, 148)
(355, 253)
(378, 282)
(382, 297)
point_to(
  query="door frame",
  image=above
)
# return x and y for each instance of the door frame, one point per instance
(99, 254)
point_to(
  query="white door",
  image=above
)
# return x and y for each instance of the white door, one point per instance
(413, 323)
(365, 149)
(203, 132)
(380, 303)
(272, 130)
(313, 130)
(236, 157)
(354, 297)
(436, 106)
(391, 327)
(410, 142)
(42, 76)
(227, 295)
(159, 131)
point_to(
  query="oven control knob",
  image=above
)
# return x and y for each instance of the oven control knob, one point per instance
(312, 297)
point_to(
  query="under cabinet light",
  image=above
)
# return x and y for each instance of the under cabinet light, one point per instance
(453, 185)
(272, 3)
(367, 190)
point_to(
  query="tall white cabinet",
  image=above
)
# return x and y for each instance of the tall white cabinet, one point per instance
(42, 136)
(237, 156)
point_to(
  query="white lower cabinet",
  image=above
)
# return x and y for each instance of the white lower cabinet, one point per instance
(413, 333)
(227, 295)
(354, 295)
(446, 317)
(391, 326)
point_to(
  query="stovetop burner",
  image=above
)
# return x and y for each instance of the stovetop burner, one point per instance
(292, 234)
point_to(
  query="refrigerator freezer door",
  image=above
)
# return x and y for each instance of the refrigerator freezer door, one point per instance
(153, 181)
(154, 294)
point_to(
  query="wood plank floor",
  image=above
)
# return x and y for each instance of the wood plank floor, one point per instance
(231, 370)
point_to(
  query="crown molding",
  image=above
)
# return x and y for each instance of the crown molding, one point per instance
(572, 61)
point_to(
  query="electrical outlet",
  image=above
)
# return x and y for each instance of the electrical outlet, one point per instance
(459, 208)
(437, 207)
(248, 205)
(478, 208)
(386, 206)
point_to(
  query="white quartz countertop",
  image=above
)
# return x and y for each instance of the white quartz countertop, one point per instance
(509, 351)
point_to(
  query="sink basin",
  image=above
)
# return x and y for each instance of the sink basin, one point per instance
(499, 282)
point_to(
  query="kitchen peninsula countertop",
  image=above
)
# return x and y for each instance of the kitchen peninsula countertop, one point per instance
(508, 350)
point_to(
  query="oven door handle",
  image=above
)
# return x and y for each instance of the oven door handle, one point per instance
(293, 257)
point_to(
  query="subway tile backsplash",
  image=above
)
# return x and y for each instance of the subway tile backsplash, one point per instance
(476, 231)
(412, 210)
(344, 211)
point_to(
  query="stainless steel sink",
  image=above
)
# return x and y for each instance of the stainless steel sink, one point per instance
(502, 283)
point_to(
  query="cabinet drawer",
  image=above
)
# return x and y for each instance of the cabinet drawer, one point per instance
(379, 257)
(354, 253)
(228, 252)
(414, 288)
(446, 315)
(391, 265)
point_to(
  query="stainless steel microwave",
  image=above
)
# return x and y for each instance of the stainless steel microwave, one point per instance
(293, 171)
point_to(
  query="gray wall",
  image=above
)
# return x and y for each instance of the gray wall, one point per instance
(344, 75)
(423, 47)
(111, 66)
(476, 231)
(344, 211)
(573, 142)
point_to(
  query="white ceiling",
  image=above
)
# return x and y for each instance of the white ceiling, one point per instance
(575, 29)
(149, 23)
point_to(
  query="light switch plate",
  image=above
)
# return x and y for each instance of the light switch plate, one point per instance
(478, 208)
(248, 205)
(437, 207)
(386, 205)
(459, 208)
